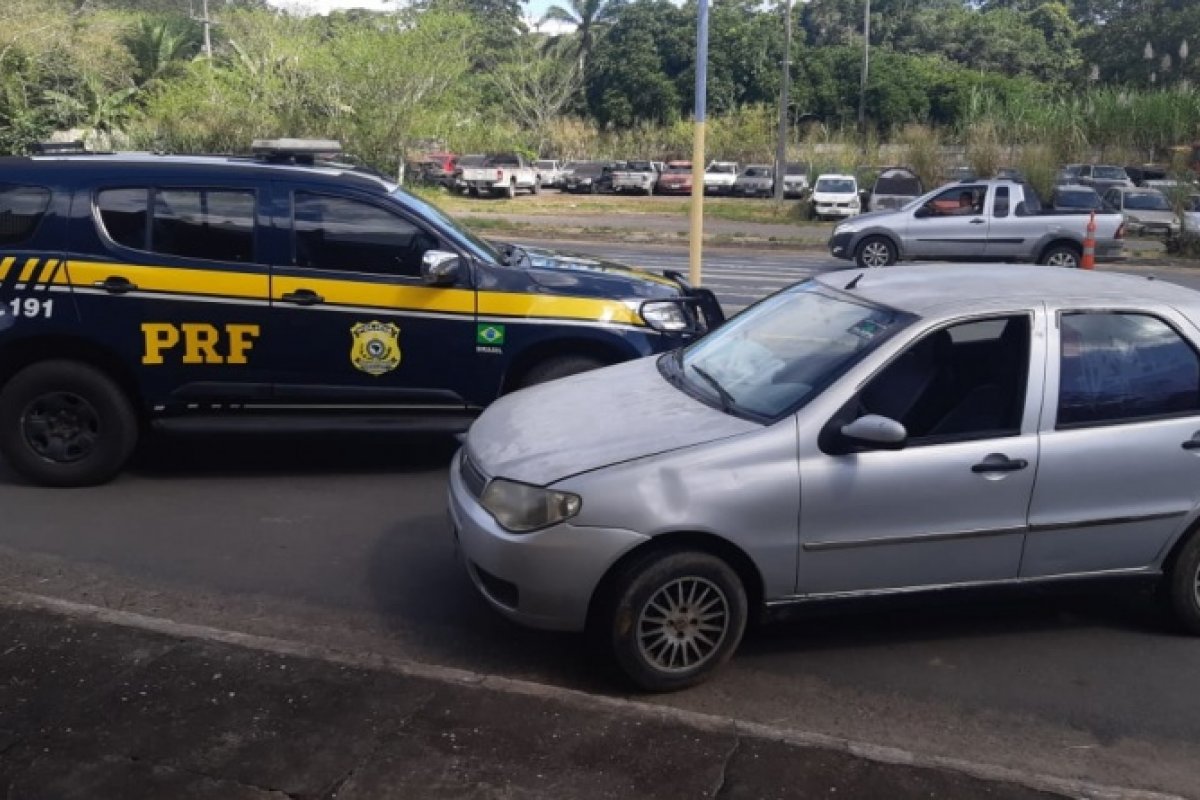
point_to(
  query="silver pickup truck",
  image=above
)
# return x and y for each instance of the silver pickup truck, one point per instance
(975, 221)
(637, 176)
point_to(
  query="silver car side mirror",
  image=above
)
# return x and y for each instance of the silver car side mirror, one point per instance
(439, 267)
(876, 433)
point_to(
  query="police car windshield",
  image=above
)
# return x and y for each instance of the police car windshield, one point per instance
(470, 241)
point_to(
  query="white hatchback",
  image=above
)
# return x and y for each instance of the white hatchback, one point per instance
(835, 197)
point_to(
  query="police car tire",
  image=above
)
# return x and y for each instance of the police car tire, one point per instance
(118, 424)
(646, 579)
(559, 367)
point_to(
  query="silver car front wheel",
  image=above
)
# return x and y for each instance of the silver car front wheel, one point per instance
(674, 617)
(876, 252)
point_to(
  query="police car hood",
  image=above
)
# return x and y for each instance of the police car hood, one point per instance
(550, 432)
(572, 272)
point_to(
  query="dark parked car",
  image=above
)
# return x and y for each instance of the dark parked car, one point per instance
(590, 177)
(1073, 197)
(1103, 177)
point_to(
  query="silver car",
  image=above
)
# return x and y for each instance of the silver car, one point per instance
(863, 433)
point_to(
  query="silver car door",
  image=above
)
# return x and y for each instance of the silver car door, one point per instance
(1009, 236)
(951, 225)
(1120, 458)
(951, 506)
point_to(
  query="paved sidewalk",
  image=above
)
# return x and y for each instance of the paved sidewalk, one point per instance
(94, 710)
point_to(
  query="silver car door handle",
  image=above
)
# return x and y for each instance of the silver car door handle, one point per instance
(1191, 444)
(977, 222)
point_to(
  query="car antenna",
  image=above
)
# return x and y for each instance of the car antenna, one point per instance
(854, 283)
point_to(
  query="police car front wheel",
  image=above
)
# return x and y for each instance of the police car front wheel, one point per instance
(64, 423)
(559, 367)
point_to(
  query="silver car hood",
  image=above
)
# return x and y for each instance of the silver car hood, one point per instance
(546, 433)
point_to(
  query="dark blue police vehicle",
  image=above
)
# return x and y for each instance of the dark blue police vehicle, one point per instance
(278, 290)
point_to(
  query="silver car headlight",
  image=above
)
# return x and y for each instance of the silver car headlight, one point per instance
(523, 507)
(665, 316)
(586, 181)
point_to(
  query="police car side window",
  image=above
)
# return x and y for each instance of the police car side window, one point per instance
(209, 224)
(213, 224)
(125, 216)
(337, 233)
(21, 209)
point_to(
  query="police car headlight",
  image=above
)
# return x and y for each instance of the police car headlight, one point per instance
(522, 507)
(665, 316)
(586, 181)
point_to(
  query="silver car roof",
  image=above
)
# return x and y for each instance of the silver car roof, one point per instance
(962, 289)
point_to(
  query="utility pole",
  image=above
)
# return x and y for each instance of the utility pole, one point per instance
(866, 68)
(784, 85)
(207, 33)
(696, 226)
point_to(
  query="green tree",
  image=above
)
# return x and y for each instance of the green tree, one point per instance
(589, 18)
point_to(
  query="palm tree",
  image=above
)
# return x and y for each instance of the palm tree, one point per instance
(160, 47)
(93, 106)
(588, 17)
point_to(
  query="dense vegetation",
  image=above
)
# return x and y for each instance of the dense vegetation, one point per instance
(1057, 77)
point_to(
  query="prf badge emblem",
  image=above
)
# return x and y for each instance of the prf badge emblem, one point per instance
(376, 348)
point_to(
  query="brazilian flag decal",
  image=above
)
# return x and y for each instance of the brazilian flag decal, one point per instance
(489, 334)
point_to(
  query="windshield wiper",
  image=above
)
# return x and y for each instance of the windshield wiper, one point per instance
(727, 401)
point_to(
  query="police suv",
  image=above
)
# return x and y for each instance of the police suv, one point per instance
(278, 291)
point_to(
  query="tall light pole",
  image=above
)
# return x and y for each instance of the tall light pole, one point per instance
(866, 68)
(696, 228)
(785, 82)
(784, 85)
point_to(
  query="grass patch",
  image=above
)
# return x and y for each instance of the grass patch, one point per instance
(565, 205)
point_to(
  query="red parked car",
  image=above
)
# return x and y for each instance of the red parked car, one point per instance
(675, 179)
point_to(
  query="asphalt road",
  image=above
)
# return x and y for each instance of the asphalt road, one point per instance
(343, 542)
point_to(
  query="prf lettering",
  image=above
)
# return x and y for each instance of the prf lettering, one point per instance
(200, 342)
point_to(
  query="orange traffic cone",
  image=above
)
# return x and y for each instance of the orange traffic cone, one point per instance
(1089, 245)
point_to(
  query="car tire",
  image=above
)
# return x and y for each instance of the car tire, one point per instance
(1061, 255)
(674, 618)
(473, 191)
(63, 423)
(558, 367)
(1183, 585)
(876, 251)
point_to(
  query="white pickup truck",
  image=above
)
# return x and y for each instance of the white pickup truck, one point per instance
(636, 176)
(994, 220)
(502, 174)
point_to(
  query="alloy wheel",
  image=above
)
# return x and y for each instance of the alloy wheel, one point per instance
(1062, 259)
(683, 624)
(876, 254)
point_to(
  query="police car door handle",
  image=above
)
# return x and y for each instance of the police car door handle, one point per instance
(115, 284)
(303, 297)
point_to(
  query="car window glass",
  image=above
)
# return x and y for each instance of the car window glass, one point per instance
(342, 234)
(782, 352)
(124, 214)
(21, 211)
(1000, 205)
(1117, 367)
(213, 224)
(966, 381)
(959, 201)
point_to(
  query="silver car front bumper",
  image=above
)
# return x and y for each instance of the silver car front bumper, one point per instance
(543, 579)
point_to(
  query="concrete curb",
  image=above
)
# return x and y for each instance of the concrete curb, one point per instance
(577, 699)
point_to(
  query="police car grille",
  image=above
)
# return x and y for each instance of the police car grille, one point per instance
(472, 478)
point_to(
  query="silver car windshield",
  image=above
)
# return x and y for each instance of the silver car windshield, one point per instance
(776, 356)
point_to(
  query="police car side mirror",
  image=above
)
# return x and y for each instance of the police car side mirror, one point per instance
(440, 268)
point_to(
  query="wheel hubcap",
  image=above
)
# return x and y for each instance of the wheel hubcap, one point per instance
(876, 255)
(61, 427)
(1061, 260)
(683, 624)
